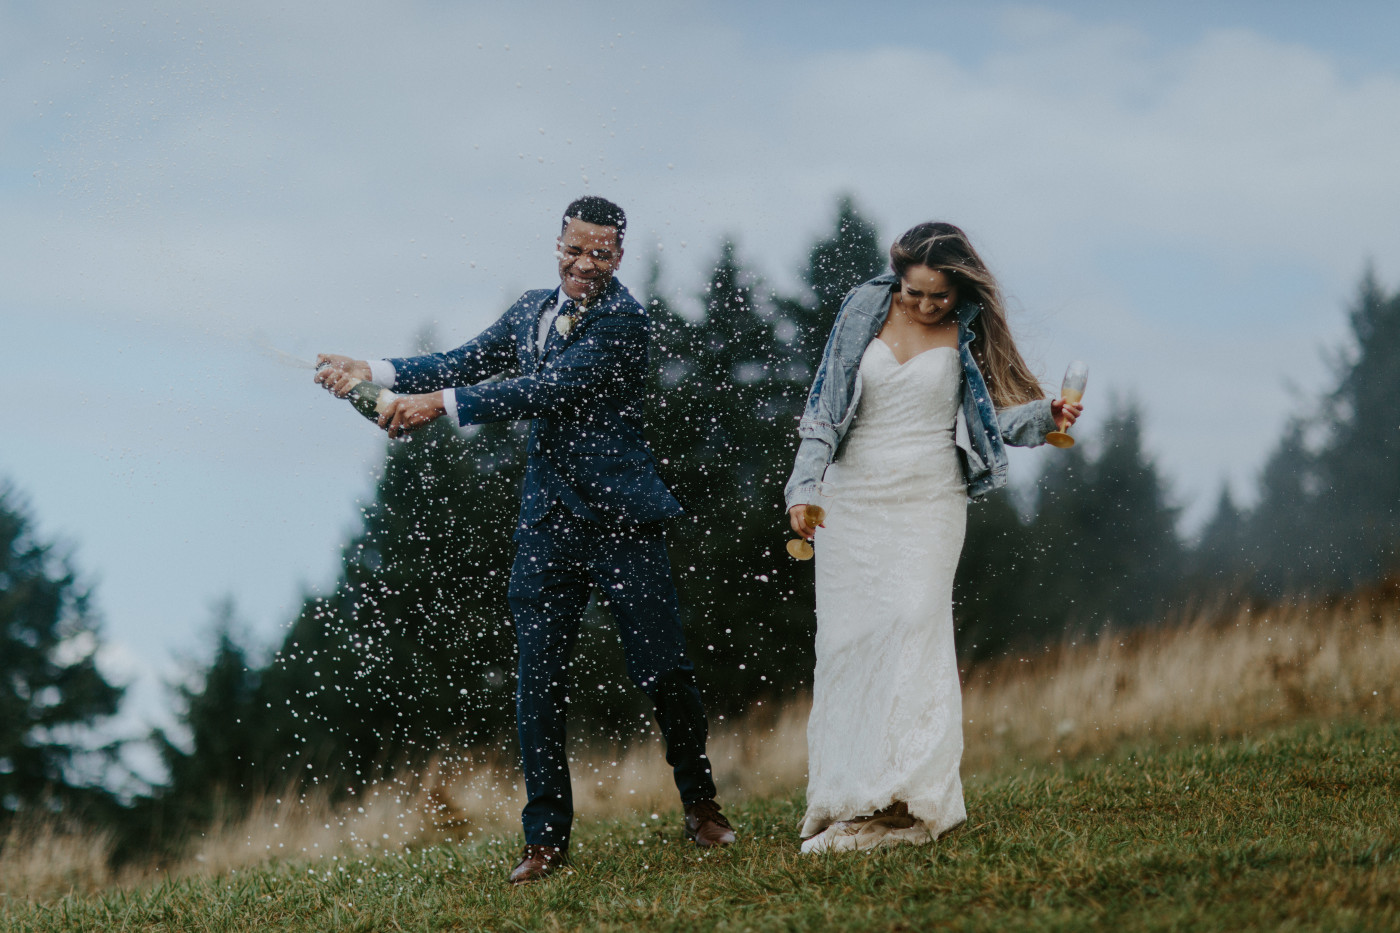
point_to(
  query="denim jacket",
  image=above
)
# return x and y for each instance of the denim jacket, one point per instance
(980, 432)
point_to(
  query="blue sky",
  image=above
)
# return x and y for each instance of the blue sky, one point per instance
(1185, 195)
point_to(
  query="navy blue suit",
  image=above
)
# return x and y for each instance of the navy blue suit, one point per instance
(591, 513)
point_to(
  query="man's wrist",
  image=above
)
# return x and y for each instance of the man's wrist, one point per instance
(381, 373)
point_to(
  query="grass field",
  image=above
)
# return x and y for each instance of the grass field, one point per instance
(1293, 829)
(1215, 676)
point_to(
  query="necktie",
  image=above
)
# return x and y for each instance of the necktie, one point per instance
(566, 309)
(564, 320)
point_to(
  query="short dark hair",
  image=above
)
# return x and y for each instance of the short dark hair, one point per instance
(592, 209)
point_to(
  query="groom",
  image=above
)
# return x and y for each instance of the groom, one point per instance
(574, 361)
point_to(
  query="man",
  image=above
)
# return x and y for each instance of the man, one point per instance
(574, 361)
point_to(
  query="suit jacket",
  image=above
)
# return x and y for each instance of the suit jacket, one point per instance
(584, 395)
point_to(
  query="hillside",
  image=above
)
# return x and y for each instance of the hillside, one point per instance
(1292, 829)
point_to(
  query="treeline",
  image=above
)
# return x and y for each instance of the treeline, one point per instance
(1328, 513)
(412, 651)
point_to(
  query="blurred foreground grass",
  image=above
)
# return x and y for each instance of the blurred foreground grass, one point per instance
(1291, 829)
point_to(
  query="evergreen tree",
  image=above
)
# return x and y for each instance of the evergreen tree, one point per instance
(734, 336)
(1222, 559)
(1358, 495)
(1278, 554)
(992, 592)
(51, 690)
(415, 648)
(849, 255)
(749, 632)
(1327, 518)
(224, 711)
(1106, 550)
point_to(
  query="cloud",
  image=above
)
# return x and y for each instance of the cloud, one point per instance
(351, 162)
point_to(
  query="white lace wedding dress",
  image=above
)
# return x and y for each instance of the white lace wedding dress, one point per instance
(886, 723)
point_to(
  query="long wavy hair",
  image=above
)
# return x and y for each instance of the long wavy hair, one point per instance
(945, 248)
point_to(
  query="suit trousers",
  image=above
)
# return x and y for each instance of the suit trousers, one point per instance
(557, 564)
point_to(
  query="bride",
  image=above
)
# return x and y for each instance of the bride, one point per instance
(919, 388)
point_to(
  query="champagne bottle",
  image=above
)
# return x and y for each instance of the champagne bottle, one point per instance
(369, 399)
(366, 397)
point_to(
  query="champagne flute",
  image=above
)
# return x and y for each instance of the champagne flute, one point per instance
(801, 548)
(1072, 392)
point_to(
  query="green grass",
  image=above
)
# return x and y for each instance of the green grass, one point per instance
(1293, 830)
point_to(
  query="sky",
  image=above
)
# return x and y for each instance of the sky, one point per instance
(1184, 195)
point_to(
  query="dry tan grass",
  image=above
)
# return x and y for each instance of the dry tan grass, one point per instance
(40, 858)
(465, 797)
(1218, 675)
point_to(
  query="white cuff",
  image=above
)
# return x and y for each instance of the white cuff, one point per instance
(381, 373)
(449, 402)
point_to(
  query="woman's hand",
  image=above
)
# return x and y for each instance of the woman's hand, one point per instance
(1064, 413)
(797, 517)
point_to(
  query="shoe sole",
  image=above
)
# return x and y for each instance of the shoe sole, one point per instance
(707, 845)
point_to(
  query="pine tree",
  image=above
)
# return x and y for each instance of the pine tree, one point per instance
(1358, 498)
(749, 631)
(411, 651)
(1221, 562)
(991, 592)
(225, 716)
(415, 648)
(51, 690)
(1279, 554)
(849, 255)
(1106, 550)
(1327, 518)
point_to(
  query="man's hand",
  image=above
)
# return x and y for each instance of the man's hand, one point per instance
(1064, 413)
(407, 413)
(341, 373)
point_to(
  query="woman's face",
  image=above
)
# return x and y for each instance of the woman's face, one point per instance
(926, 295)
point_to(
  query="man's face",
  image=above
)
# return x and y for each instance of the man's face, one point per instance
(588, 256)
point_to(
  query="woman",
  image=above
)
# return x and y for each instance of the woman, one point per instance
(918, 390)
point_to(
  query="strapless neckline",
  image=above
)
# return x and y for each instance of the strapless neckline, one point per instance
(911, 359)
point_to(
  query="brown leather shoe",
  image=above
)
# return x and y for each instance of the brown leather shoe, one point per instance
(707, 826)
(537, 863)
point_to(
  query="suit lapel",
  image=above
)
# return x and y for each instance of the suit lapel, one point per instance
(555, 342)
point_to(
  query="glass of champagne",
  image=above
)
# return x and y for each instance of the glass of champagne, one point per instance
(801, 548)
(1072, 392)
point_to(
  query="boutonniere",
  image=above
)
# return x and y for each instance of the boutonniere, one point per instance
(566, 321)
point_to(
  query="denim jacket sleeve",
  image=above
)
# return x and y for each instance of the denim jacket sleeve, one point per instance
(835, 393)
(813, 456)
(1026, 425)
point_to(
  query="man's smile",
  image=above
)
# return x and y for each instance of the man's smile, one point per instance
(588, 256)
